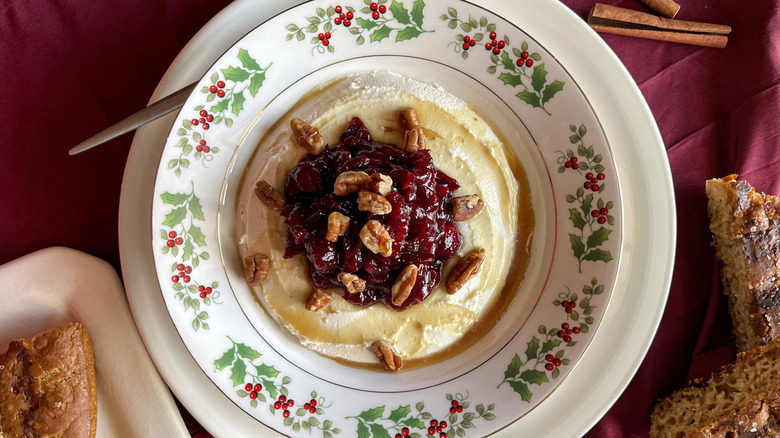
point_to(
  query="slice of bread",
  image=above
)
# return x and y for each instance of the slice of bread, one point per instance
(47, 385)
(745, 227)
(742, 400)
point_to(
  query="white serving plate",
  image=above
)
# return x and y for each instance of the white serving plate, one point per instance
(629, 273)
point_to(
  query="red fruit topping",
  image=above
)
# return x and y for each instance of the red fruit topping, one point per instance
(420, 223)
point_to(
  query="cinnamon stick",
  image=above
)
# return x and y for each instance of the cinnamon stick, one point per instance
(612, 19)
(667, 8)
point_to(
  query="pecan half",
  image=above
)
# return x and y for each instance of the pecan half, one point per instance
(337, 226)
(408, 118)
(256, 268)
(466, 268)
(466, 207)
(415, 140)
(373, 202)
(308, 137)
(350, 182)
(376, 238)
(403, 284)
(317, 300)
(387, 356)
(381, 184)
(268, 195)
(352, 282)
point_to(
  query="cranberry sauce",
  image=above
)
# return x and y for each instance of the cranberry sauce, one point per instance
(420, 224)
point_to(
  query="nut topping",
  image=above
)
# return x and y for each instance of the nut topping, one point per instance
(381, 184)
(350, 182)
(352, 282)
(376, 238)
(415, 140)
(373, 202)
(256, 268)
(337, 226)
(387, 355)
(317, 300)
(408, 118)
(308, 137)
(268, 195)
(466, 268)
(403, 284)
(466, 207)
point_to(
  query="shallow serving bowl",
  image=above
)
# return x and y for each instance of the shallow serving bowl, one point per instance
(563, 114)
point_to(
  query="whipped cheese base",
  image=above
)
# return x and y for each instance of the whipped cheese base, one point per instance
(462, 145)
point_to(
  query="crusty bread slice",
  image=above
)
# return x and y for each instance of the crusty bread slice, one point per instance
(741, 400)
(47, 385)
(745, 227)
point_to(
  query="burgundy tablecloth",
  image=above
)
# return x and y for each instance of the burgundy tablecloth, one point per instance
(70, 68)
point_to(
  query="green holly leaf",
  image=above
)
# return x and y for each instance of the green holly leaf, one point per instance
(270, 386)
(532, 350)
(522, 389)
(238, 373)
(187, 250)
(399, 413)
(511, 79)
(529, 98)
(539, 77)
(507, 62)
(365, 24)
(587, 204)
(551, 90)
(246, 352)
(400, 13)
(576, 218)
(417, 12)
(226, 360)
(534, 377)
(235, 74)
(372, 414)
(576, 245)
(267, 370)
(408, 33)
(175, 217)
(256, 83)
(197, 235)
(598, 237)
(362, 430)
(598, 255)
(221, 106)
(247, 61)
(237, 103)
(550, 345)
(381, 33)
(514, 367)
(174, 198)
(414, 423)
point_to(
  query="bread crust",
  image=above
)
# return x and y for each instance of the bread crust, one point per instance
(48, 386)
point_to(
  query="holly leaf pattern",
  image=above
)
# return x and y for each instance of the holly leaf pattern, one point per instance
(247, 61)
(551, 90)
(577, 245)
(397, 414)
(535, 377)
(521, 388)
(532, 350)
(530, 98)
(372, 414)
(400, 13)
(598, 255)
(381, 33)
(417, 12)
(514, 367)
(598, 237)
(511, 79)
(408, 33)
(539, 77)
(175, 217)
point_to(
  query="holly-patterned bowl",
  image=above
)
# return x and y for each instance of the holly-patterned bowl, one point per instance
(507, 75)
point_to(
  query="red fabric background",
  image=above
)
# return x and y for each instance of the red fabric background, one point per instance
(69, 69)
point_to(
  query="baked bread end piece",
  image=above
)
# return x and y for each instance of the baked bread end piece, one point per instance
(47, 385)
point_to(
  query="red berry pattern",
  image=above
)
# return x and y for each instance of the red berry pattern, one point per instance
(369, 23)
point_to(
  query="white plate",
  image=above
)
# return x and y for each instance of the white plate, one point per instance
(642, 203)
(54, 286)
